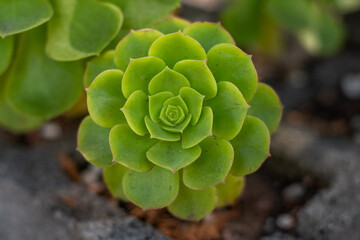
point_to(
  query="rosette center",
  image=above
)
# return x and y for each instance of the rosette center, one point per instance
(172, 115)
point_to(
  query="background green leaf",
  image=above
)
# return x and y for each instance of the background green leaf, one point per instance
(81, 28)
(21, 15)
(38, 85)
(144, 13)
(6, 53)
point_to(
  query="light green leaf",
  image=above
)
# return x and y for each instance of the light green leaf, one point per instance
(38, 85)
(135, 45)
(156, 103)
(113, 177)
(21, 15)
(266, 106)
(75, 34)
(251, 147)
(135, 110)
(104, 99)
(199, 76)
(229, 108)
(172, 156)
(6, 50)
(171, 24)
(156, 131)
(139, 73)
(228, 192)
(208, 34)
(229, 63)
(193, 205)
(175, 47)
(97, 65)
(93, 143)
(168, 80)
(144, 13)
(213, 165)
(155, 188)
(203, 128)
(130, 149)
(193, 101)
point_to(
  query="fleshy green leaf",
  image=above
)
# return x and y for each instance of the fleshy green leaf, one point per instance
(130, 149)
(93, 143)
(139, 73)
(113, 177)
(135, 110)
(156, 131)
(175, 47)
(75, 34)
(266, 105)
(192, 204)
(229, 63)
(194, 101)
(208, 34)
(199, 76)
(229, 108)
(144, 13)
(251, 147)
(6, 50)
(21, 15)
(155, 188)
(104, 99)
(172, 156)
(212, 166)
(168, 80)
(228, 192)
(38, 85)
(135, 45)
(97, 65)
(195, 134)
(156, 103)
(171, 24)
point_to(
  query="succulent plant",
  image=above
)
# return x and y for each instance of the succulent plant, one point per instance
(171, 126)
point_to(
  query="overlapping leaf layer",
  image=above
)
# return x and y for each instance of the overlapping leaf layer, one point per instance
(173, 121)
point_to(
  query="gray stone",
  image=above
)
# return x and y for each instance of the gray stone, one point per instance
(333, 213)
(38, 201)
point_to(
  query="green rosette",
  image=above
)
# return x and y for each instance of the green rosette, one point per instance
(171, 125)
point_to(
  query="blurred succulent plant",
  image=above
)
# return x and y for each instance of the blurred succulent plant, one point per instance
(171, 126)
(41, 67)
(259, 24)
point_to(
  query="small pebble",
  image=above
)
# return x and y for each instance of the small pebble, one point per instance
(91, 175)
(50, 131)
(285, 222)
(350, 86)
(293, 192)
